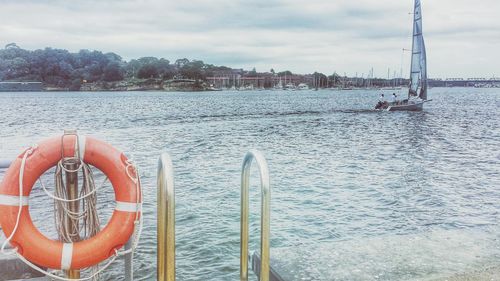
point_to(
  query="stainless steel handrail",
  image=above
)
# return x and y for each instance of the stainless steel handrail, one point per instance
(265, 214)
(166, 220)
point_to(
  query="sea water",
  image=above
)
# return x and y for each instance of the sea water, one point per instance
(357, 194)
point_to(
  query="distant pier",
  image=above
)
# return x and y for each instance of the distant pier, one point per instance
(493, 82)
(21, 86)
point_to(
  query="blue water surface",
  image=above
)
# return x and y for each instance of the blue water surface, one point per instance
(343, 176)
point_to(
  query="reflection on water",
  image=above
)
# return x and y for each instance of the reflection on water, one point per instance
(342, 174)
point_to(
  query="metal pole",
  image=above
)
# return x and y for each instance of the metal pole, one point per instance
(166, 220)
(72, 191)
(265, 214)
(129, 273)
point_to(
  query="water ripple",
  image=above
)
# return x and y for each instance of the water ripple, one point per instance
(348, 182)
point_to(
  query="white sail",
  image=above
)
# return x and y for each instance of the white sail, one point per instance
(423, 73)
(418, 74)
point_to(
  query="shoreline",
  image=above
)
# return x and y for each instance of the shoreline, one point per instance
(180, 89)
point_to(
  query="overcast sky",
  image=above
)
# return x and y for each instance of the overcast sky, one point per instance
(462, 37)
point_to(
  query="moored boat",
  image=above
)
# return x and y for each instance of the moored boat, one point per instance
(302, 86)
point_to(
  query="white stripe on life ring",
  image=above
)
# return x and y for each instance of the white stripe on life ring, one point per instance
(128, 207)
(67, 256)
(81, 146)
(12, 200)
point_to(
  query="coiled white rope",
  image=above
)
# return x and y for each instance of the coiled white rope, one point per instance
(60, 165)
(138, 222)
(53, 196)
(66, 220)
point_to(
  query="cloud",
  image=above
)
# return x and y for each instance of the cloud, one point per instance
(303, 36)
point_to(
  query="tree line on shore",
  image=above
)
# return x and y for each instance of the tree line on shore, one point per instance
(61, 68)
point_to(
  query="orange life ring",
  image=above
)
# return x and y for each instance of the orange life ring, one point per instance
(40, 250)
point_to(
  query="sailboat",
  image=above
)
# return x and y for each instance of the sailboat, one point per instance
(417, 92)
(279, 86)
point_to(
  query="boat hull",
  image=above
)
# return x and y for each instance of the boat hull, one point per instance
(418, 106)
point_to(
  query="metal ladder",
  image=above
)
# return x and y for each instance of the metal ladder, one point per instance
(166, 218)
(265, 217)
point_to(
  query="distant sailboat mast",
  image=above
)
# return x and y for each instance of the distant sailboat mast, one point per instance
(418, 73)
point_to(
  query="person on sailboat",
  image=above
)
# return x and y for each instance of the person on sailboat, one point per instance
(394, 98)
(381, 102)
